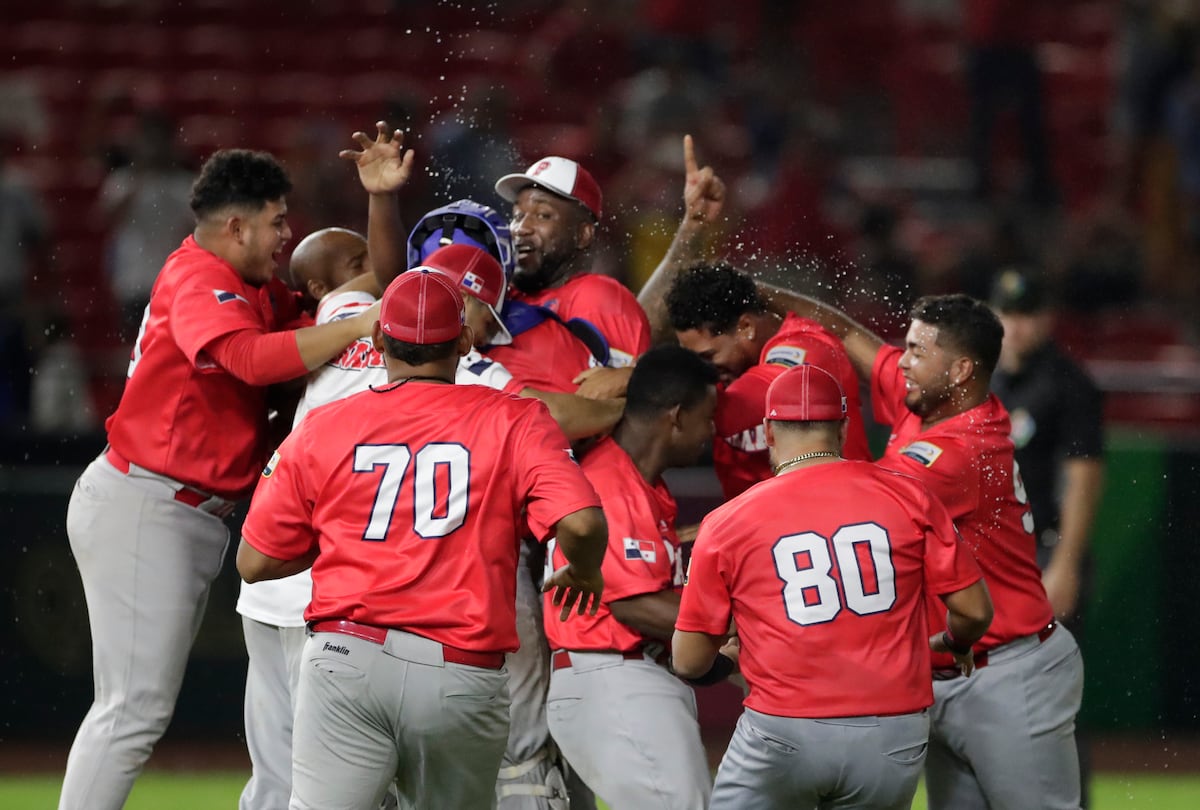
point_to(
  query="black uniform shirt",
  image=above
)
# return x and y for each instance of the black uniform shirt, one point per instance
(1056, 414)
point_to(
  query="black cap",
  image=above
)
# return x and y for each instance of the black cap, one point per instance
(1018, 291)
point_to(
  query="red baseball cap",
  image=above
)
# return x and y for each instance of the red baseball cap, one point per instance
(479, 274)
(422, 306)
(559, 175)
(806, 393)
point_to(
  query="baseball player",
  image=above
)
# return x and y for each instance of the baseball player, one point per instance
(624, 723)
(145, 518)
(949, 432)
(408, 500)
(557, 207)
(273, 611)
(717, 313)
(829, 599)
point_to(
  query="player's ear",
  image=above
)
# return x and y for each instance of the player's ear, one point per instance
(377, 338)
(585, 232)
(962, 368)
(316, 289)
(745, 326)
(466, 340)
(769, 431)
(235, 227)
(675, 415)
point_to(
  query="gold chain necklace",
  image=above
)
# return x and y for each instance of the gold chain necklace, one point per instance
(778, 468)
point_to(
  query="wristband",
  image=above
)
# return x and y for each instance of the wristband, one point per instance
(954, 645)
(721, 668)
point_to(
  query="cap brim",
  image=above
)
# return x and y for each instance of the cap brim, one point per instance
(510, 185)
(502, 337)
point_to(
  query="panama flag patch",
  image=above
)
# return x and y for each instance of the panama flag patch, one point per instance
(472, 282)
(785, 356)
(922, 452)
(224, 297)
(640, 550)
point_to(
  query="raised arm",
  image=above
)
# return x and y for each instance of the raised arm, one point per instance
(703, 199)
(861, 343)
(383, 169)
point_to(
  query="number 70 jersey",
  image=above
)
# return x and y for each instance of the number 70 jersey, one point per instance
(416, 494)
(825, 570)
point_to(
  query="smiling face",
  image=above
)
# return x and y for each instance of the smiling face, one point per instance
(728, 351)
(929, 373)
(261, 236)
(548, 233)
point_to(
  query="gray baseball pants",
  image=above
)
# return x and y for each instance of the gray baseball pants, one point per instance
(271, 680)
(146, 561)
(1004, 739)
(630, 730)
(774, 763)
(366, 713)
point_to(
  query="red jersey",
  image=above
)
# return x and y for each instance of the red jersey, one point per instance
(740, 454)
(547, 356)
(643, 551)
(607, 304)
(416, 494)
(967, 461)
(828, 593)
(182, 415)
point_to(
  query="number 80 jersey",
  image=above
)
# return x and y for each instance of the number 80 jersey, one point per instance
(825, 569)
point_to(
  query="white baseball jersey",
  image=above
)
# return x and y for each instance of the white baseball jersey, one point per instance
(281, 602)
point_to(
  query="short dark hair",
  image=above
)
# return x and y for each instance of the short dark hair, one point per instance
(667, 376)
(712, 297)
(967, 323)
(418, 354)
(238, 177)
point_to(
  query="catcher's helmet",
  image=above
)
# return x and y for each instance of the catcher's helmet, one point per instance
(463, 222)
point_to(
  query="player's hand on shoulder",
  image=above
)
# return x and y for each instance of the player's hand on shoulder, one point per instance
(383, 164)
(603, 382)
(575, 589)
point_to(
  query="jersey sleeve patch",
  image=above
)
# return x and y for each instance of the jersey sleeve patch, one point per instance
(271, 464)
(226, 297)
(787, 356)
(643, 550)
(924, 453)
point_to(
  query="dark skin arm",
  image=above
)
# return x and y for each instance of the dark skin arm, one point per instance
(861, 343)
(651, 614)
(383, 169)
(703, 198)
(583, 538)
(968, 616)
(254, 566)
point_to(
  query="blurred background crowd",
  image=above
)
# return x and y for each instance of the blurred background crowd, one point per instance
(875, 150)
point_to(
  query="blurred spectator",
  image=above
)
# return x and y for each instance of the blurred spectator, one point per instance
(60, 401)
(145, 207)
(880, 283)
(23, 240)
(1002, 68)
(1102, 266)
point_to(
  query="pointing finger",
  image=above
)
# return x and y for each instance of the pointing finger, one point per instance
(689, 155)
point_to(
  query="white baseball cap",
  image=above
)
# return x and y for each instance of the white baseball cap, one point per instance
(559, 175)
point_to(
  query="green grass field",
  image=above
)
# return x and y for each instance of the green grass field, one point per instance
(217, 790)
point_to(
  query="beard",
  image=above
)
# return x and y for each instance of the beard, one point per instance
(553, 270)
